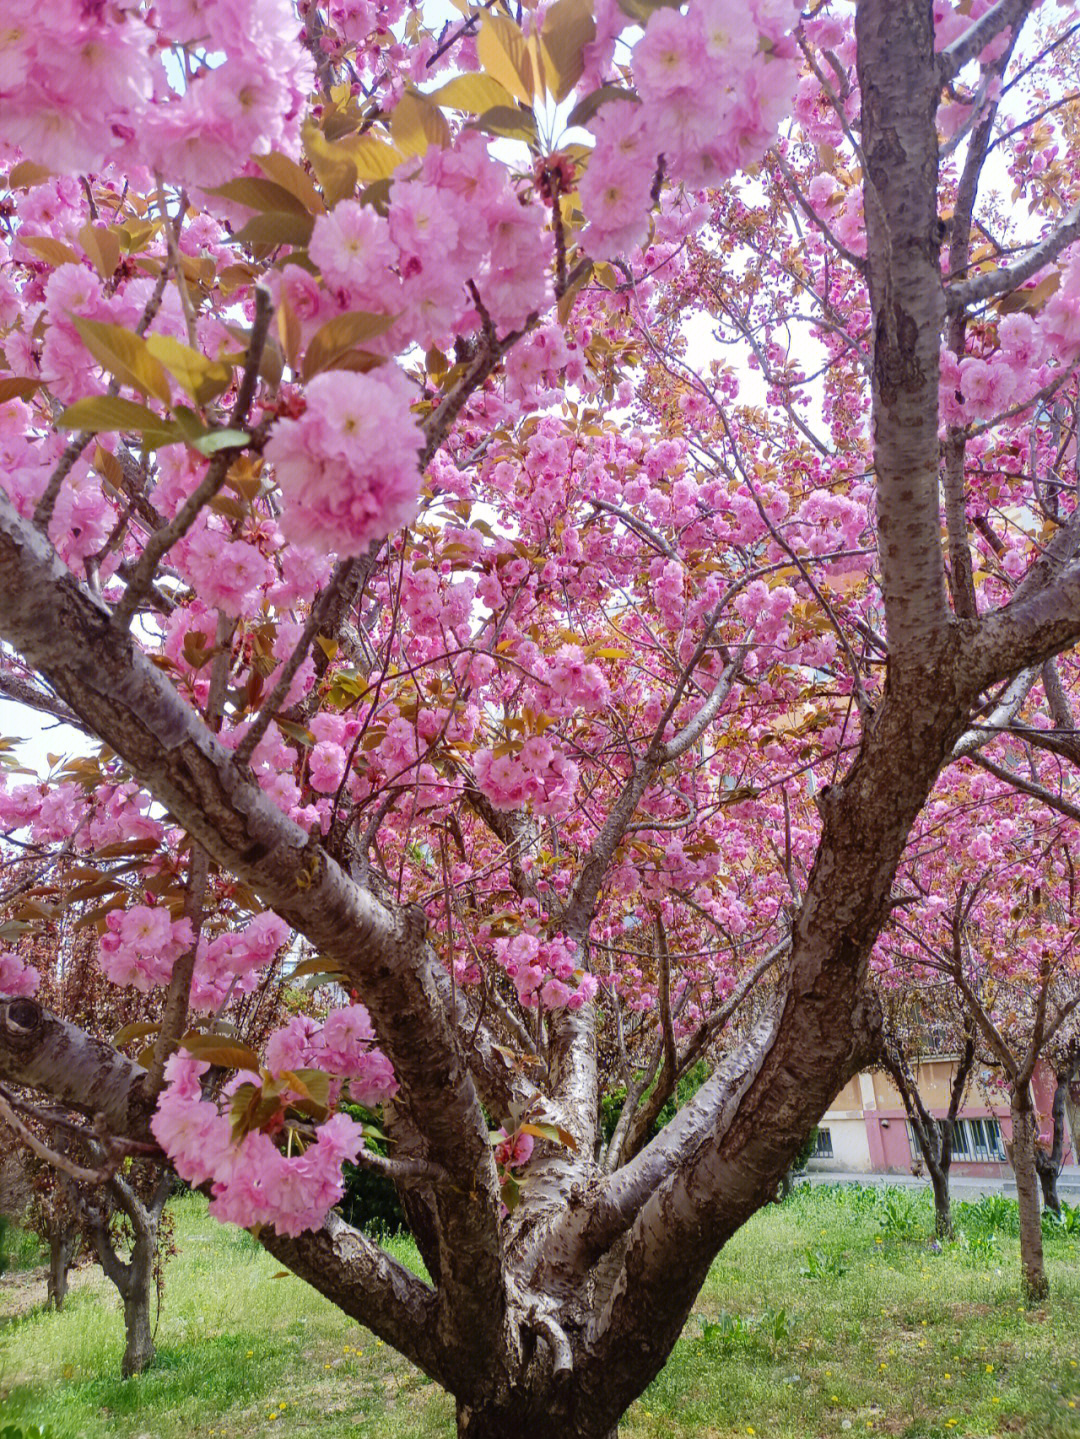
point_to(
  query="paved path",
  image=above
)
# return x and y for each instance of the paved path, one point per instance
(959, 1186)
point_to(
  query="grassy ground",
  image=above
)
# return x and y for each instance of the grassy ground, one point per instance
(827, 1315)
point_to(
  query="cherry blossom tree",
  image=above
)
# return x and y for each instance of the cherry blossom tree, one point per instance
(571, 690)
(993, 903)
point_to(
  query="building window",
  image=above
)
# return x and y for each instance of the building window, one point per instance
(975, 1141)
(822, 1145)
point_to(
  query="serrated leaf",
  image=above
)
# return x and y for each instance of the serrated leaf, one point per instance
(17, 387)
(255, 192)
(474, 93)
(553, 1133)
(317, 965)
(27, 174)
(568, 27)
(512, 123)
(109, 412)
(276, 227)
(124, 354)
(640, 10)
(53, 252)
(134, 1031)
(587, 108)
(216, 1049)
(334, 167)
(289, 175)
(202, 378)
(511, 1193)
(102, 247)
(504, 54)
(373, 159)
(216, 440)
(416, 123)
(339, 335)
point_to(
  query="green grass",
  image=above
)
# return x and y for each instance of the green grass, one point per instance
(19, 1248)
(819, 1318)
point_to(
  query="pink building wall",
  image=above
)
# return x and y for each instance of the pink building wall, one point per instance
(886, 1123)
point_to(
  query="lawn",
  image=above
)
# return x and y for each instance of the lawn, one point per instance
(830, 1314)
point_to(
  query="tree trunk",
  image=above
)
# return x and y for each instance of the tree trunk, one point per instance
(139, 1349)
(61, 1251)
(1048, 1162)
(1023, 1162)
(503, 1423)
(1048, 1178)
(943, 1225)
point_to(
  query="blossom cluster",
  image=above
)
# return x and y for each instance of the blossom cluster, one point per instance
(714, 83)
(143, 942)
(18, 980)
(252, 1181)
(546, 973)
(127, 104)
(537, 774)
(343, 1045)
(348, 466)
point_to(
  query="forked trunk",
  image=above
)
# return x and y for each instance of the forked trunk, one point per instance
(1027, 1191)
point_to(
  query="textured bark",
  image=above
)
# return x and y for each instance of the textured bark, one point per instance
(483, 1423)
(1024, 1131)
(899, 85)
(138, 1332)
(134, 1276)
(62, 1242)
(1048, 1162)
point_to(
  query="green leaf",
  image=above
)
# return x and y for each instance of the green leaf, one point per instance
(17, 387)
(514, 124)
(217, 1049)
(416, 123)
(511, 1193)
(134, 1031)
(640, 10)
(568, 27)
(108, 412)
(339, 335)
(125, 355)
(554, 1133)
(474, 93)
(215, 440)
(276, 227)
(289, 176)
(257, 193)
(586, 109)
(202, 378)
(504, 54)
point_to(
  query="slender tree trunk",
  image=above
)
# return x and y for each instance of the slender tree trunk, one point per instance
(139, 1348)
(1048, 1178)
(939, 1178)
(1072, 1115)
(133, 1277)
(61, 1251)
(1027, 1189)
(1048, 1163)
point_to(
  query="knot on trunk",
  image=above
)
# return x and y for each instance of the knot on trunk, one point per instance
(23, 1020)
